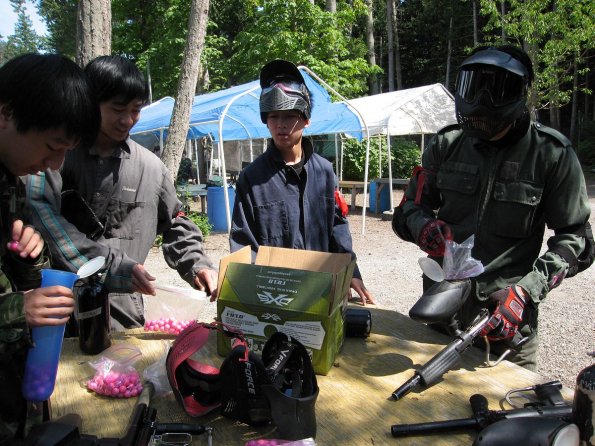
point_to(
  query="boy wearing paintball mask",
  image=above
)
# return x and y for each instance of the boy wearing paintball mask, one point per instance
(288, 196)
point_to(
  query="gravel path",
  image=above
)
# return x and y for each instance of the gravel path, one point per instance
(390, 270)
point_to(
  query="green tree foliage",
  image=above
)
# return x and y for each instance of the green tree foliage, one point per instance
(244, 34)
(60, 19)
(555, 32)
(305, 34)
(405, 155)
(24, 39)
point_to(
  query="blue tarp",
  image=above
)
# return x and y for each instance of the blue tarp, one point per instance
(242, 117)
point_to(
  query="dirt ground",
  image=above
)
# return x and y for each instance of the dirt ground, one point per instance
(390, 270)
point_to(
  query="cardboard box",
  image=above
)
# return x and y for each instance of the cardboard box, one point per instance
(301, 293)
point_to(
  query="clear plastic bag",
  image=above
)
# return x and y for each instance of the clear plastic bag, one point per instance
(115, 374)
(156, 373)
(458, 263)
(171, 309)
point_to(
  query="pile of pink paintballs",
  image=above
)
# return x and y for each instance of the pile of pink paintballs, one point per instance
(116, 384)
(168, 325)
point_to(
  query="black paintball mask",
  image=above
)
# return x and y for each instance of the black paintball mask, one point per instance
(491, 92)
(283, 88)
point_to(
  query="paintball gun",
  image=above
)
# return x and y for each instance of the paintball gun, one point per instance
(544, 422)
(439, 304)
(143, 430)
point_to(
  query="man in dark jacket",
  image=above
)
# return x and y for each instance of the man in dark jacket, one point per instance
(288, 196)
(130, 192)
(501, 177)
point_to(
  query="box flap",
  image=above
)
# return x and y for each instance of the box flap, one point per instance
(302, 259)
(243, 255)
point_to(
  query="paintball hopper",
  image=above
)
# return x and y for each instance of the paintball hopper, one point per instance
(440, 302)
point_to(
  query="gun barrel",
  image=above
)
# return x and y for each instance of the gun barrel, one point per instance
(406, 387)
(161, 428)
(434, 427)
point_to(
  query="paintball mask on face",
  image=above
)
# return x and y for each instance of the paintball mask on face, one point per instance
(491, 93)
(283, 88)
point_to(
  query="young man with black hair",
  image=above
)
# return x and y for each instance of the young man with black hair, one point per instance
(501, 177)
(288, 196)
(46, 107)
(131, 193)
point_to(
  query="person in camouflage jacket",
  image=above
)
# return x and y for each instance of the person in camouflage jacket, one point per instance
(45, 109)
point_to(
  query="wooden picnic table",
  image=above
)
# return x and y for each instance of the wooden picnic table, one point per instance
(355, 187)
(196, 192)
(353, 406)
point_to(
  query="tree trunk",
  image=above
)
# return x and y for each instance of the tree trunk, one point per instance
(390, 45)
(574, 104)
(502, 15)
(93, 30)
(554, 117)
(475, 34)
(178, 127)
(373, 82)
(398, 71)
(331, 6)
(449, 52)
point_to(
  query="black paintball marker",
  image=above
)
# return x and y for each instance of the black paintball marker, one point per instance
(546, 421)
(143, 430)
(439, 304)
(549, 404)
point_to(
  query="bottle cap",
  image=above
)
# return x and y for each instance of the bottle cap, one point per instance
(91, 267)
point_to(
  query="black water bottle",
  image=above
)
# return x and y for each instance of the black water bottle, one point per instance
(93, 316)
(583, 409)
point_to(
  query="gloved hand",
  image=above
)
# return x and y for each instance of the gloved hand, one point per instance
(508, 314)
(433, 236)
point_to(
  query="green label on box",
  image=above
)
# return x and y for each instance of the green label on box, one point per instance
(281, 288)
(309, 333)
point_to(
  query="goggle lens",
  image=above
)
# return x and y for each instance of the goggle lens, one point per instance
(503, 86)
(287, 87)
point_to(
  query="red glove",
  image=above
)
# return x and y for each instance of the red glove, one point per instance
(340, 201)
(508, 314)
(433, 236)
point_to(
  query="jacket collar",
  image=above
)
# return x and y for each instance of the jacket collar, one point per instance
(307, 147)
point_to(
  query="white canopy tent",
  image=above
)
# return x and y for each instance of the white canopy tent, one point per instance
(414, 111)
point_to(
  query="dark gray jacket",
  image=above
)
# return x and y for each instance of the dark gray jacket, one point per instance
(133, 195)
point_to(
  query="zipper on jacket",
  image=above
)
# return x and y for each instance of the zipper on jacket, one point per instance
(493, 167)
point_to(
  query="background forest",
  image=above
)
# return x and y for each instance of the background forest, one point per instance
(359, 47)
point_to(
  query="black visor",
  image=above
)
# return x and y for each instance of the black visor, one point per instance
(503, 86)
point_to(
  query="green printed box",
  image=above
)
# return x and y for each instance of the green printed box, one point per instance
(301, 293)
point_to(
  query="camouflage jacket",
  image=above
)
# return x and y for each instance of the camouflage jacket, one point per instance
(16, 275)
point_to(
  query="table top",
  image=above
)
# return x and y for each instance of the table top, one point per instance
(397, 181)
(346, 183)
(354, 405)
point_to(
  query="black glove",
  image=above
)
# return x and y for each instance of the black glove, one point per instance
(507, 316)
(433, 236)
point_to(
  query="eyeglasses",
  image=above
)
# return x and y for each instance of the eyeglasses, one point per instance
(504, 87)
